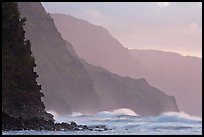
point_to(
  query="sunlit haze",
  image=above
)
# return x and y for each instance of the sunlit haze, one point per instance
(169, 26)
(102, 68)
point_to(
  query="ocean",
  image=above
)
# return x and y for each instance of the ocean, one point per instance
(126, 122)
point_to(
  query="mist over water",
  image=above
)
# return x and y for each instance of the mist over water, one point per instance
(75, 76)
(125, 122)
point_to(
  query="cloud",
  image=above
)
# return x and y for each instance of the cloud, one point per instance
(162, 4)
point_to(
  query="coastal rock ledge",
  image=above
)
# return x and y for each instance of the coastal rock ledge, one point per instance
(12, 123)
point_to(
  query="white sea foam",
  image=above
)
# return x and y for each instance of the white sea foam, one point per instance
(125, 121)
(125, 111)
(117, 112)
(184, 115)
(178, 117)
(74, 114)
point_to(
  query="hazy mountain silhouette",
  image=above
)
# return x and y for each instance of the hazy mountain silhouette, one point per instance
(95, 45)
(65, 82)
(174, 74)
(124, 92)
(177, 75)
(72, 85)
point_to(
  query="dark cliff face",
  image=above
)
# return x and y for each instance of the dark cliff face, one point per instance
(65, 83)
(72, 85)
(21, 96)
(173, 74)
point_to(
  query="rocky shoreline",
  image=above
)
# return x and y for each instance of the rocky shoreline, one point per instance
(11, 123)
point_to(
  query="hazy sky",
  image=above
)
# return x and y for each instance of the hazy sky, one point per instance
(172, 26)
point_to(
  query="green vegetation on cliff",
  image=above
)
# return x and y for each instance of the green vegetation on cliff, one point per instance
(21, 96)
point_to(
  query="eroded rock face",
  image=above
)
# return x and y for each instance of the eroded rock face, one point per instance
(72, 85)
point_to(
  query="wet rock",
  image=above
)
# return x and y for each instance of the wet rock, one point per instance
(11, 123)
(99, 128)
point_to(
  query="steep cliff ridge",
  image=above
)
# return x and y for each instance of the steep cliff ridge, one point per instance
(72, 85)
(173, 74)
(65, 83)
(126, 92)
(21, 96)
(97, 46)
(116, 92)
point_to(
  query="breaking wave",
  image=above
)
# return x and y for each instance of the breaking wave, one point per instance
(124, 121)
(178, 117)
(125, 113)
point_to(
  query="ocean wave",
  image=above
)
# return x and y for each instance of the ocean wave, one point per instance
(117, 112)
(177, 117)
(127, 119)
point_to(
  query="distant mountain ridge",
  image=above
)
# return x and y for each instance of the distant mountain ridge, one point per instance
(125, 92)
(181, 76)
(72, 85)
(97, 46)
(172, 73)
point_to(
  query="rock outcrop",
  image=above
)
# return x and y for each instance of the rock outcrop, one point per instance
(21, 96)
(18, 123)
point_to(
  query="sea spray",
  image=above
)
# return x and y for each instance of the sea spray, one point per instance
(123, 121)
